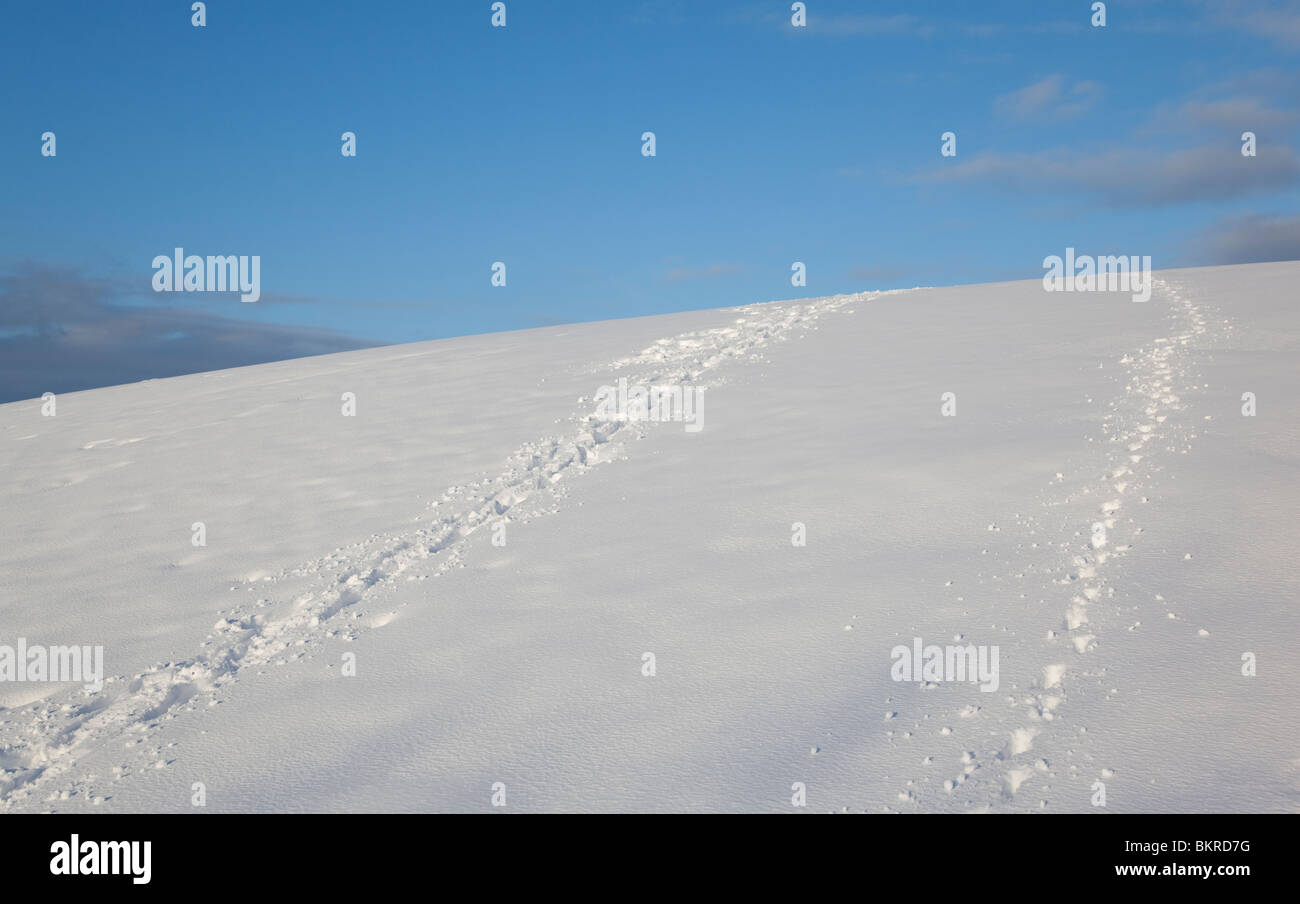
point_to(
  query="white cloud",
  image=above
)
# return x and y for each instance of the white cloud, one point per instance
(1051, 96)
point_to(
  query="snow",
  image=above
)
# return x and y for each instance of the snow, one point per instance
(367, 542)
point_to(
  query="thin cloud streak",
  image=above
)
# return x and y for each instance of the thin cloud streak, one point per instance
(1124, 177)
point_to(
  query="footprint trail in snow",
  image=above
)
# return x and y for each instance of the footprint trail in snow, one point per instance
(987, 755)
(41, 743)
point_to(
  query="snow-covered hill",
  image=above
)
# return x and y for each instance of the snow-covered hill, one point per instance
(559, 612)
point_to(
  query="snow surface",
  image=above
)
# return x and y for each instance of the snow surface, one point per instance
(522, 664)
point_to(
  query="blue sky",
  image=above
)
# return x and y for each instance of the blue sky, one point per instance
(523, 144)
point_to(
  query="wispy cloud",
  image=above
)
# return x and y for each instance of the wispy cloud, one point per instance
(62, 331)
(1132, 177)
(871, 26)
(1280, 86)
(1237, 113)
(1051, 96)
(1278, 22)
(1231, 114)
(896, 24)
